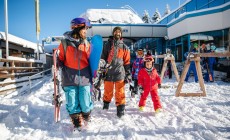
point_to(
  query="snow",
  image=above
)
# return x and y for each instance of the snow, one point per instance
(115, 16)
(30, 116)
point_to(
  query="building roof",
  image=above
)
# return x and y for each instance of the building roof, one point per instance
(20, 41)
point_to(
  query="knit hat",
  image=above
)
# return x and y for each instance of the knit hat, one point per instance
(117, 28)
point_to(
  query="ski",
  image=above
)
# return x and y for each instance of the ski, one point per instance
(56, 96)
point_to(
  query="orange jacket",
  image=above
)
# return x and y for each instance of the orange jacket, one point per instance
(76, 70)
(118, 55)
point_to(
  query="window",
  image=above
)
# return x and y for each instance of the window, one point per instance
(191, 6)
(214, 3)
(202, 4)
(164, 21)
(171, 17)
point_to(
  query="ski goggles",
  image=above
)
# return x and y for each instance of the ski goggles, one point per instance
(79, 25)
(148, 59)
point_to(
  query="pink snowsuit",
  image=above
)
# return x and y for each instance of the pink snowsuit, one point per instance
(149, 82)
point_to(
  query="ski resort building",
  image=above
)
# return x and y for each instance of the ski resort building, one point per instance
(200, 22)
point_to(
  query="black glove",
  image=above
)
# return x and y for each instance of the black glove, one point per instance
(128, 79)
(140, 89)
(131, 87)
(159, 85)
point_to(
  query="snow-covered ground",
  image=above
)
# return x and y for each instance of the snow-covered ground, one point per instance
(30, 116)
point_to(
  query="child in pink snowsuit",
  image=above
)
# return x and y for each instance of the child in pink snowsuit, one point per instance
(148, 82)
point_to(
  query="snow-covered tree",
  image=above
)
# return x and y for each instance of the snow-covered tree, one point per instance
(146, 18)
(156, 16)
(167, 10)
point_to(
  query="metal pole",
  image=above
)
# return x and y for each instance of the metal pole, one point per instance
(6, 31)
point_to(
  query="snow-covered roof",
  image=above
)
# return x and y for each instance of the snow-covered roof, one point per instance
(20, 41)
(116, 16)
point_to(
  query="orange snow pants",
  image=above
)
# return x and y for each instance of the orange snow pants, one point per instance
(119, 91)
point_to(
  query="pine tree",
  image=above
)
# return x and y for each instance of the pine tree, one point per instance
(167, 10)
(156, 16)
(146, 18)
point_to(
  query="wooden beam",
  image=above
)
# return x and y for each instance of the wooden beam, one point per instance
(191, 94)
(215, 54)
(182, 77)
(18, 68)
(163, 69)
(16, 74)
(18, 61)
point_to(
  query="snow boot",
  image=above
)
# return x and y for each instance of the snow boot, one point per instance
(141, 108)
(86, 116)
(120, 111)
(106, 105)
(77, 120)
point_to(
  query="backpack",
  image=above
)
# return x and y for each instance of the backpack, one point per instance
(64, 44)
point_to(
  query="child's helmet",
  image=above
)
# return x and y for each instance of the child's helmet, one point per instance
(79, 22)
(148, 58)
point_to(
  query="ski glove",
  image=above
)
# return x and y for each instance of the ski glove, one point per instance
(131, 87)
(128, 79)
(140, 89)
(159, 85)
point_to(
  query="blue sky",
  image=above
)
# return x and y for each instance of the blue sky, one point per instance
(55, 15)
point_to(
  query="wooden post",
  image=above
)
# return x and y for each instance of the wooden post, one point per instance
(167, 58)
(182, 77)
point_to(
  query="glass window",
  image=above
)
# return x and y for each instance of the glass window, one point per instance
(180, 11)
(191, 6)
(164, 21)
(202, 4)
(214, 3)
(185, 43)
(171, 17)
(178, 40)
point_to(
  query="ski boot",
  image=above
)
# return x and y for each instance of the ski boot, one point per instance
(120, 111)
(77, 121)
(141, 108)
(106, 105)
(86, 117)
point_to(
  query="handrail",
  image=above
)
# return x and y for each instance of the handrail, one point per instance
(29, 77)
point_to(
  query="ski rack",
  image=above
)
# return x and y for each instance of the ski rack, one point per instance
(196, 57)
(167, 58)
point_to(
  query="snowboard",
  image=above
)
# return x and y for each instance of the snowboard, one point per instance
(95, 53)
(56, 95)
(94, 59)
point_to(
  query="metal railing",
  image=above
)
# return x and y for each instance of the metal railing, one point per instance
(30, 77)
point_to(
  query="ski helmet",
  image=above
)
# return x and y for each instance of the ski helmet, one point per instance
(195, 45)
(148, 58)
(79, 22)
